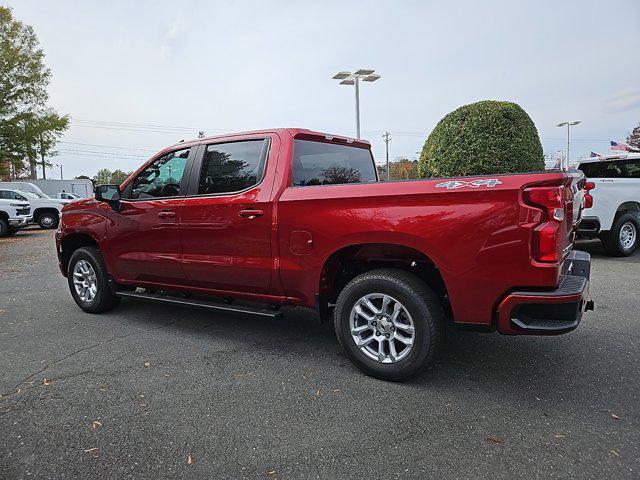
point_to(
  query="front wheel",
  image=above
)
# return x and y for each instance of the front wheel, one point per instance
(622, 239)
(48, 220)
(89, 281)
(389, 323)
(4, 228)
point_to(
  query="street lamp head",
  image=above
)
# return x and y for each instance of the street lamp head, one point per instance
(347, 81)
(341, 75)
(364, 71)
(371, 78)
(564, 124)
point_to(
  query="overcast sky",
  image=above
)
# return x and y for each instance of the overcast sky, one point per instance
(244, 65)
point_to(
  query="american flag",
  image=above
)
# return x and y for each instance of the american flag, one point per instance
(619, 146)
(594, 154)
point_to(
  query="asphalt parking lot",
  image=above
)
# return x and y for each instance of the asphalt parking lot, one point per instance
(150, 391)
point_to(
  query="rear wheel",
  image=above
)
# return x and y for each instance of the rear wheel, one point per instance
(47, 220)
(389, 323)
(622, 239)
(89, 281)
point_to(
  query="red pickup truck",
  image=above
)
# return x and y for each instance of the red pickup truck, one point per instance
(255, 221)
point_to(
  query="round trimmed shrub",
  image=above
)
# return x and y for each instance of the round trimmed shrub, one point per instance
(482, 138)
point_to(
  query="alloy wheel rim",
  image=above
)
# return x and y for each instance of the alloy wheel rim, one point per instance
(47, 221)
(382, 328)
(85, 281)
(628, 235)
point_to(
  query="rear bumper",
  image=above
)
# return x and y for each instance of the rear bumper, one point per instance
(589, 227)
(549, 312)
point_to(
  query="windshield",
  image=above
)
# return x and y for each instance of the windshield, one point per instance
(30, 195)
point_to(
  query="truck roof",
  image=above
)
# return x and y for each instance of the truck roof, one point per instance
(302, 133)
(611, 158)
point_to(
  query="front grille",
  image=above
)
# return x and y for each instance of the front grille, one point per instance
(23, 211)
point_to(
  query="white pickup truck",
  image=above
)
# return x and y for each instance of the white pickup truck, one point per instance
(615, 214)
(46, 211)
(14, 214)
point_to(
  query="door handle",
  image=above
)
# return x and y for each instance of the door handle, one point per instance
(251, 213)
(167, 214)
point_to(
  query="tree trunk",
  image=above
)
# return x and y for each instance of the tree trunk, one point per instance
(32, 169)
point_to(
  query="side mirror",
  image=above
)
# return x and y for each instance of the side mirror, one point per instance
(109, 194)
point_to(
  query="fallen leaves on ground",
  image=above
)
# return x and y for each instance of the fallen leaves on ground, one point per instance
(559, 435)
(96, 424)
(189, 460)
(492, 439)
(147, 364)
(93, 451)
(317, 392)
(614, 454)
(334, 391)
(47, 382)
(614, 416)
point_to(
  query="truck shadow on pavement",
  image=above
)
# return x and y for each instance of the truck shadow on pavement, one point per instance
(500, 364)
(594, 247)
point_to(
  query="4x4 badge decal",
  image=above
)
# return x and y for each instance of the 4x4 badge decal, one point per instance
(487, 182)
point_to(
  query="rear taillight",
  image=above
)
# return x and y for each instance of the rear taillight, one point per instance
(588, 199)
(547, 237)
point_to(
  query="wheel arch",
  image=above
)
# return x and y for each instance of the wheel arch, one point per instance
(70, 243)
(40, 210)
(349, 261)
(630, 206)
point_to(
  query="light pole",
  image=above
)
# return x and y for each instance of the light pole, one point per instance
(60, 165)
(568, 125)
(353, 78)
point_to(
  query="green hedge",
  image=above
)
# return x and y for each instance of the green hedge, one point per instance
(483, 138)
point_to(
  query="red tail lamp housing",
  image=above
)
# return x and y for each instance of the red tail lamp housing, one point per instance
(546, 245)
(588, 199)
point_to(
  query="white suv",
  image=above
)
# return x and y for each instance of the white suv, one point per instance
(14, 214)
(615, 214)
(46, 210)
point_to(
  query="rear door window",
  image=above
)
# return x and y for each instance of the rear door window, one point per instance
(232, 167)
(318, 163)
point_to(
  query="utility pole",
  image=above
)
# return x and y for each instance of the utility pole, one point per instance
(387, 138)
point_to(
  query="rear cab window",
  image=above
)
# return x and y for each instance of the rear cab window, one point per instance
(320, 163)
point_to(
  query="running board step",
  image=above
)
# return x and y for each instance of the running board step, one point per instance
(203, 304)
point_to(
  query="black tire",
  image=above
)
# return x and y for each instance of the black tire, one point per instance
(12, 231)
(612, 240)
(420, 302)
(4, 227)
(48, 220)
(104, 299)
